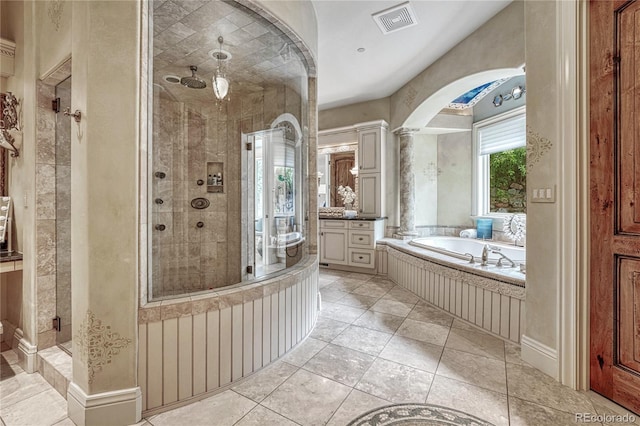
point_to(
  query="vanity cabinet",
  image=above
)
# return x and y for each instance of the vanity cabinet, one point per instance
(333, 242)
(346, 242)
(371, 168)
(369, 155)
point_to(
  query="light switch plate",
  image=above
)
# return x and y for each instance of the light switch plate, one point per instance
(546, 194)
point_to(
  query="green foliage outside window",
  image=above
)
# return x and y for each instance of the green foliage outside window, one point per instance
(508, 181)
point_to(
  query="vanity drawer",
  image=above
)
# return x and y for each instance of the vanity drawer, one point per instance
(361, 224)
(362, 258)
(361, 239)
(333, 224)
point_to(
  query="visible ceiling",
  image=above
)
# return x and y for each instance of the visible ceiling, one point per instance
(346, 76)
(185, 32)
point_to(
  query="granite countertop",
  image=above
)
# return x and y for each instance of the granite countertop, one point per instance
(10, 256)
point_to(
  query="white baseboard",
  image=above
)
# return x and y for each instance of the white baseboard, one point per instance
(27, 353)
(121, 407)
(540, 356)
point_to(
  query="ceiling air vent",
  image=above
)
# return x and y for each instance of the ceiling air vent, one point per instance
(395, 18)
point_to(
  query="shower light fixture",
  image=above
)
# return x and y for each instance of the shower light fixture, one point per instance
(220, 83)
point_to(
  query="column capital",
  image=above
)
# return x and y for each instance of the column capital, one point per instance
(404, 131)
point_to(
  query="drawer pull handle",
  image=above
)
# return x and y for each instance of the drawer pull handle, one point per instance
(360, 257)
(360, 239)
(161, 227)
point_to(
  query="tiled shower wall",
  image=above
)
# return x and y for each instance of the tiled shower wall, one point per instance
(185, 137)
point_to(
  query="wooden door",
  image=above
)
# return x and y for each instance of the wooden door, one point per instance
(341, 165)
(615, 200)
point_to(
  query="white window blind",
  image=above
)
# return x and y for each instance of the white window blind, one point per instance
(503, 135)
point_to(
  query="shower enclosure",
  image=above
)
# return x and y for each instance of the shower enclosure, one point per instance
(227, 177)
(63, 216)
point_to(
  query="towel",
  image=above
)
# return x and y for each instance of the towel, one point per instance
(468, 233)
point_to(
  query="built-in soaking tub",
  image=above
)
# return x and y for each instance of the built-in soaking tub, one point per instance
(464, 248)
(439, 270)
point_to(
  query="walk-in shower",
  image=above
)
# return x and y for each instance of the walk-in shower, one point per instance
(226, 177)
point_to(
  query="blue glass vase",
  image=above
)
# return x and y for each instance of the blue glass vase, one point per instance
(484, 228)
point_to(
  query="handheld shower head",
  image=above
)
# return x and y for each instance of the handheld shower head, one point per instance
(193, 81)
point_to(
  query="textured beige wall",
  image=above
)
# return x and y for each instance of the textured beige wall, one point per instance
(54, 34)
(542, 172)
(299, 15)
(104, 188)
(454, 180)
(497, 45)
(19, 24)
(355, 113)
(425, 165)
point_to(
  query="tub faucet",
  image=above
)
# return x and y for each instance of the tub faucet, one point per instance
(502, 256)
(485, 255)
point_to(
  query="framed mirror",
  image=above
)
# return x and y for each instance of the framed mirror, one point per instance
(334, 169)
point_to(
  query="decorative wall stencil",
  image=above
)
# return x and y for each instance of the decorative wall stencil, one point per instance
(98, 344)
(431, 171)
(411, 97)
(537, 146)
(55, 8)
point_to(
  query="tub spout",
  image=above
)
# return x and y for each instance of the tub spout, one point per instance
(485, 255)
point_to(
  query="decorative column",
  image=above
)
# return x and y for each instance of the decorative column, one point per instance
(105, 156)
(407, 182)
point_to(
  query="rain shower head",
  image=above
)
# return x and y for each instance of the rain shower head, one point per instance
(193, 81)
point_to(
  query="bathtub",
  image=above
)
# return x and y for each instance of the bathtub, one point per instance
(460, 248)
(490, 297)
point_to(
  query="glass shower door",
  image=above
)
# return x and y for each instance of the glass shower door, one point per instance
(271, 177)
(63, 216)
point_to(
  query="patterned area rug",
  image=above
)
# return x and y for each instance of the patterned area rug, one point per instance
(416, 415)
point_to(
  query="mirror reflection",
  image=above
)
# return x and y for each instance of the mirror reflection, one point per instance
(336, 168)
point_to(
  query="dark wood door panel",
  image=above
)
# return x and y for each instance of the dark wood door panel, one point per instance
(628, 324)
(628, 108)
(614, 67)
(626, 387)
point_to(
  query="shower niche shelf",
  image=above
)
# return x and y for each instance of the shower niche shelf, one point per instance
(215, 177)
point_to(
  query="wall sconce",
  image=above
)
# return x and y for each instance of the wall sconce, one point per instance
(9, 121)
(516, 93)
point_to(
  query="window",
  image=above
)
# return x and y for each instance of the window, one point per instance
(500, 166)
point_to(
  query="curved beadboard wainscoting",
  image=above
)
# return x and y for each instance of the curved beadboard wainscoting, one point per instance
(490, 301)
(201, 344)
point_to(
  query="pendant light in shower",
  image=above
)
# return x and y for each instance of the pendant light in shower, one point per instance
(219, 82)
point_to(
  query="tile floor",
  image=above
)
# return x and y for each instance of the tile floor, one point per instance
(374, 344)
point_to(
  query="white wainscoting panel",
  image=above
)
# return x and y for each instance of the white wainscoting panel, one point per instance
(494, 305)
(193, 352)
